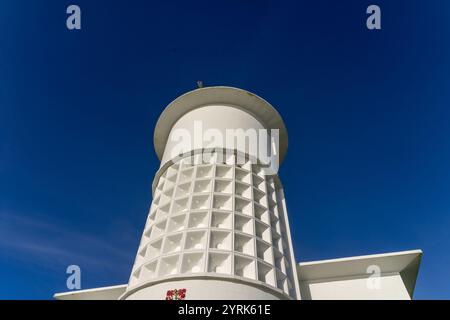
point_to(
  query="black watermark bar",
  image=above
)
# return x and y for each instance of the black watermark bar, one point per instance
(224, 309)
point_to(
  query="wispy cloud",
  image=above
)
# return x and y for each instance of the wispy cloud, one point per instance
(40, 241)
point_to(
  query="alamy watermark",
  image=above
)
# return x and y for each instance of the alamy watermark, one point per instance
(374, 280)
(259, 146)
(74, 280)
(73, 21)
(373, 22)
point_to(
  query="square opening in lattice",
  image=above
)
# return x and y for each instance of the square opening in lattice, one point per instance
(244, 224)
(168, 187)
(153, 208)
(262, 213)
(183, 189)
(148, 271)
(243, 206)
(276, 239)
(259, 197)
(220, 240)
(244, 244)
(264, 251)
(222, 202)
(272, 204)
(281, 281)
(219, 262)
(223, 186)
(258, 171)
(198, 219)
(202, 186)
(262, 231)
(243, 176)
(147, 232)
(243, 190)
(156, 197)
(164, 202)
(274, 214)
(171, 174)
(172, 243)
(195, 240)
(160, 185)
(278, 259)
(168, 266)
(244, 267)
(259, 183)
(224, 172)
(180, 205)
(176, 223)
(221, 220)
(192, 262)
(166, 195)
(154, 249)
(150, 220)
(158, 229)
(141, 255)
(204, 171)
(200, 202)
(266, 274)
(135, 275)
(186, 174)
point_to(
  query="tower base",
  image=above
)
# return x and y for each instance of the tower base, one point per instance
(205, 288)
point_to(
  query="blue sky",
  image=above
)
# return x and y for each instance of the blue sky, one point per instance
(368, 116)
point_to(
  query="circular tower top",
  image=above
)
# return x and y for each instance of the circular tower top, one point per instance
(242, 99)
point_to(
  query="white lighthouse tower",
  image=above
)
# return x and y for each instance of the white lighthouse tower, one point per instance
(217, 227)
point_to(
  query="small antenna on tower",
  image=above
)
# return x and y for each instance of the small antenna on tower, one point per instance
(200, 83)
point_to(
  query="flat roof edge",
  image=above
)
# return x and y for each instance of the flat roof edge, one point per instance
(406, 263)
(362, 257)
(90, 294)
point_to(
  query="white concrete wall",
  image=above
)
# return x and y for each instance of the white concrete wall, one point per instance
(200, 289)
(215, 117)
(391, 287)
(216, 219)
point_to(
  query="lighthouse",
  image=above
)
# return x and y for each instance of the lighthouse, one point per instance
(218, 225)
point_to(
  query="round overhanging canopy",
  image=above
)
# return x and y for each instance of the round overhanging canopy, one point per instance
(221, 95)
